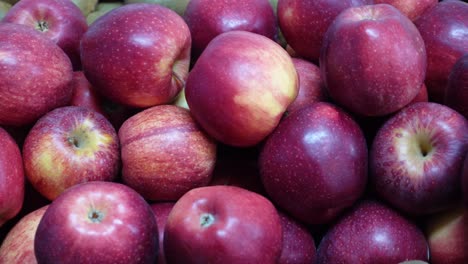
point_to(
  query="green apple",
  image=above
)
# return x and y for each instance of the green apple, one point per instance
(176, 5)
(101, 9)
(4, 7)
(86, 6)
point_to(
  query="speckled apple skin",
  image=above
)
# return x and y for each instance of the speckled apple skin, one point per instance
(457, 89)
(304, 23)
(402, 175)
(240, 87)
(18, 246)
(207, 19)
(246, 228)
(65, 21)
(298, 243)
(131, 54)
(315, 163)
(372, 233)
(443, 29)
(11, 177)
(165, 153)
(127, 232)
(410, 8)
(34, 75)
(373, 60)
(161, 212)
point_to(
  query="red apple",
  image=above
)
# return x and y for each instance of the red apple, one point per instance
(372, 233)
(18, 246)
(447, 236)
(304, 23)
(102, 222)
(11, 178)
(422, 95)
(59, 20)
(161, 212)
(165, 153)
(84, 94)
(35, 75)
(417, 156)
(443, 29)
(222, 224)
(456, 96)
(67, 146)
(314, 164)
(207, 19)
(240, 87)
(311, 86)
(137, 55)
(410, 8)
(373, 60)
(298, 243)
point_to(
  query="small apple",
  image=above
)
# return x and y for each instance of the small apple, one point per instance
(67, 146)
(165, 153)
(298, 243)
(59, 20)
(373, 60)
(240, 87)
(102, 222)
(178, 6)
(410, 8)
(456, 96)
(222, 224)
(161, 212)
(35, 75)
(137, 55)
(417, 156)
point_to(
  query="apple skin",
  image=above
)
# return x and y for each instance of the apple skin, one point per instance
(61, 21)
(410, 8)
(207, 19)
(314, 164)
(373, 60)
(103, 221)
(372, 233)
(137, 55)
(223, 224)
(67, 146)
(178, 6)
(161, 212)
(240, 87)
(304, 23)
(11, 178)
(417, 156)
(440, 28)
(456, 96)
(446, 235)
(311, 86)
(298, 243)
(165, 153)
(422, 96)
(84, 94)
(42, 74)
(18, 245)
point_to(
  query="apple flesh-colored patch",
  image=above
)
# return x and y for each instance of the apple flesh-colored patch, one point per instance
(410, 149)
(94, 140)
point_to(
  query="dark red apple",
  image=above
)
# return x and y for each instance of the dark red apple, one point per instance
(207, 19)
(161, 212)
(311, 86)
(443, 29)
(35, 75)
(304, 23)
(59, 20)
(102, 222)
(422, 95)
(314, 164)
(70, 145)
(84, 94)
(137, 55)
(372, 233)
(240, 87)
(410, 8)
(165, 153)
(11, 178)
(298, 243)
(223, 224)
(373, 60)
(417, 156)
(456, 96)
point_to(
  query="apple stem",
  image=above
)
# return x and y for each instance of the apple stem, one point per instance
(42, 26)
(95, 216)
(206, 220)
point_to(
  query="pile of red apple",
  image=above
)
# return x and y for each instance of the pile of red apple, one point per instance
(247, 131)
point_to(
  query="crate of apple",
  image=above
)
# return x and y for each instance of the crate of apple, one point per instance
(249, 131)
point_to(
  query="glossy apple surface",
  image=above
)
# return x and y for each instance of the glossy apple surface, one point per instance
(298, 243)
(373, 60)
(35, 75)
(103, 221)
(410, 8)
(137, 55)
(67, 146)
(417, 156)
(240, 87)
(457, 89)
(314, 164)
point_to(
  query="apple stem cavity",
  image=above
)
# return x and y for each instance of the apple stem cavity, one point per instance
(206, 220)
(74, 141)
(42, 26)
(425, 146)
(95, 216)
